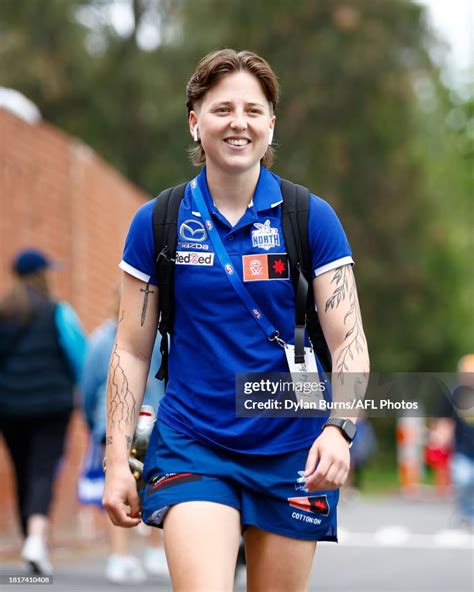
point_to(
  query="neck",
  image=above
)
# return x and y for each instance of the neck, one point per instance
(232, 191)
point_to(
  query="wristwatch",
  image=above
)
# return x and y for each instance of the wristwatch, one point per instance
(346, 426)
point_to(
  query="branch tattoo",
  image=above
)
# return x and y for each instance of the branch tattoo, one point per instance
(122, 406)
(355, 341)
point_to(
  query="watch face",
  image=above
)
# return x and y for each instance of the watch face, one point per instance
(350, 429)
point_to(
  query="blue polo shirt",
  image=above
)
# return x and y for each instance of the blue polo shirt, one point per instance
(215, 335)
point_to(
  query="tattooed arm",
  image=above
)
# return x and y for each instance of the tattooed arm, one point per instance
(128, 371)
(336, 298)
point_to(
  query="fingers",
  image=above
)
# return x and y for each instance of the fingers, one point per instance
(331, 473)
(119, 514)
(135, 507)
(312, 460)
(121, 501)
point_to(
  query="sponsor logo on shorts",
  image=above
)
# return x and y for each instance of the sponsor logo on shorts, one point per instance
(300, 484)
(191, 258)
(315, 504)
(305, 518)
(162, 482)
(197, 246)
(157, 516)
(265, 237)
(265, 267)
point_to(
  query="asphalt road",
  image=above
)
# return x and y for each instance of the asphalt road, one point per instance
(389, 545)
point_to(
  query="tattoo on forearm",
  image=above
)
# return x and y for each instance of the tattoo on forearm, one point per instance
(109, 440)
(146, 291)
(354, 342)
(122, 405)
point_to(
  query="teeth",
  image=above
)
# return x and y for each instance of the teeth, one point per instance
(237, 142)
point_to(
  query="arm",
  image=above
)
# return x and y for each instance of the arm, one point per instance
(129, 364)
(71, 338)
(336, 298)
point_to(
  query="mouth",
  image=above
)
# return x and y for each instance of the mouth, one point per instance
(237, 141)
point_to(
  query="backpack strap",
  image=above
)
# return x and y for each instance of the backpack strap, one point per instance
(295, 221)
(165, 221)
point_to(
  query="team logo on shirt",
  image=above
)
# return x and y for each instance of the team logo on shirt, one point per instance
(265, 267)
(197, 246)
(193, 230)
(265, 237)
(193, 258)
(315, 504)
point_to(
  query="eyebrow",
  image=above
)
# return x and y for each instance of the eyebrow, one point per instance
(230, 103)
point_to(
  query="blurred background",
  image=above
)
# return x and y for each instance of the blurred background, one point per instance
(376, 116)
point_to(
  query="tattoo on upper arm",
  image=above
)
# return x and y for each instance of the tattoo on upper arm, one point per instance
(354, 340)
(122, 405)
(147, 291)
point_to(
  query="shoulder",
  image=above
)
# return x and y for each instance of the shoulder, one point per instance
(320, 207)
(65, 313)
(143, 216)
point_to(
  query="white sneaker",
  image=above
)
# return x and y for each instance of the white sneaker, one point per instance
(126, 569)
(155, 561)
(35, 552)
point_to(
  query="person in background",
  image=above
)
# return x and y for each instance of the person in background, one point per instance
(42, 348)
(121, 567)
(456, 431)
(363, 448)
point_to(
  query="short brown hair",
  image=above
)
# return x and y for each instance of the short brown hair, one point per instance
(212, 68)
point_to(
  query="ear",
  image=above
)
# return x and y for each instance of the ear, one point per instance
(193, 120)
(271, 130)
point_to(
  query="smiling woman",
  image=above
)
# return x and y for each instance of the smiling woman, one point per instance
(209, 474)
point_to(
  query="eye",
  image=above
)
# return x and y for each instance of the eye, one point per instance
(222, 110)
(255, 110)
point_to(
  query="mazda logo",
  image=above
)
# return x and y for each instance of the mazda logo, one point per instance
(193, 230)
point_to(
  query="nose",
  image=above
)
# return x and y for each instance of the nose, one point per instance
(238, 121)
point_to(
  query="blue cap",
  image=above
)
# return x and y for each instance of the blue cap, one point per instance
(30, 261)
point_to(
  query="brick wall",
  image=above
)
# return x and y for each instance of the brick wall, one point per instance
(58, 195)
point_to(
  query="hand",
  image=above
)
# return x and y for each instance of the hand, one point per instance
(328, 463)
(121, 494)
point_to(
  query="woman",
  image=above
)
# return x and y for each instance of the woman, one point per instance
(42, 347)
(209, 473)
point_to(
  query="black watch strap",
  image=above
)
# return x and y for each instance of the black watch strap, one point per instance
(347, 427)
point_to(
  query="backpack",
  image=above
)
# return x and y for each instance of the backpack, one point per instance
(294, 221)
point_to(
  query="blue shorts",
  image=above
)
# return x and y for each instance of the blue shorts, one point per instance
(264, 489)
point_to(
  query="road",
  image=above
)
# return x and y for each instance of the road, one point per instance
(386, 545)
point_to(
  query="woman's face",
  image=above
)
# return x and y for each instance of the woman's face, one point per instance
(234, 120)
